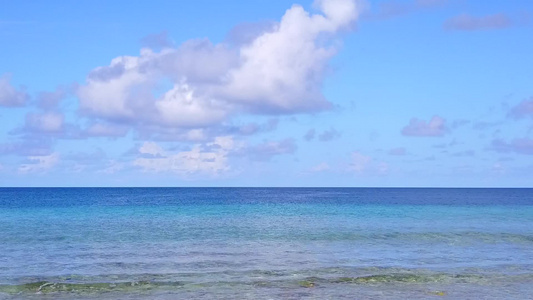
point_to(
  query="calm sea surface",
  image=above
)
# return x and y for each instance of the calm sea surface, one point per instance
(265, 243)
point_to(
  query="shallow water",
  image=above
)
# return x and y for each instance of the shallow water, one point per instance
(266, 243)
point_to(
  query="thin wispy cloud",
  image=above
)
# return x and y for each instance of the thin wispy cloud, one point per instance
(310, 134)
(522, 110)
(469, 22)
(329, 135)
(521, 146)
(400, 151)
(269, 149)
(39, 164)
(394, 8)
(433, 128)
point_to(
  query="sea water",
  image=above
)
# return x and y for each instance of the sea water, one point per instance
(265, 243)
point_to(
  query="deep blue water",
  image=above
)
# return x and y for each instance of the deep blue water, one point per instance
(67, 197)
(265, 243)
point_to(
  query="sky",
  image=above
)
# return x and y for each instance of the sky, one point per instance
(410, 93)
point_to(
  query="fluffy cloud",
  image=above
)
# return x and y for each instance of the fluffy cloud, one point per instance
(212, 161)
(199, 84)
(181, 107)
(468, 22)
(207, 159)
(9, 95)
(435, 127)
(282, 70)
(115, 92)
(49, 120)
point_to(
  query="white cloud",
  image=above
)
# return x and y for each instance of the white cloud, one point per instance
(180, 107)
(195, 135)
(339, 13)
(200, 84)
(282, 69)
(151, 148)
(39, 163)
(212, 161)
(10, 96)
(117, 91)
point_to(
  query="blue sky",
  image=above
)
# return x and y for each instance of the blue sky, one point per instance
(417, 93)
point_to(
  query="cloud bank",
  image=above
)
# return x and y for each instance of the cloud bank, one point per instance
(212, 161)
(200, 84)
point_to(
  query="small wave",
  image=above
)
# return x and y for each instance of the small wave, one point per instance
(434, 237)
(270, 279)
(45, 287)
(410, 278)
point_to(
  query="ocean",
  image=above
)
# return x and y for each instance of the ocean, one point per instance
(266, 243)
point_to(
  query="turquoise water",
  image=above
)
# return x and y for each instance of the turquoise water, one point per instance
(258, 243)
